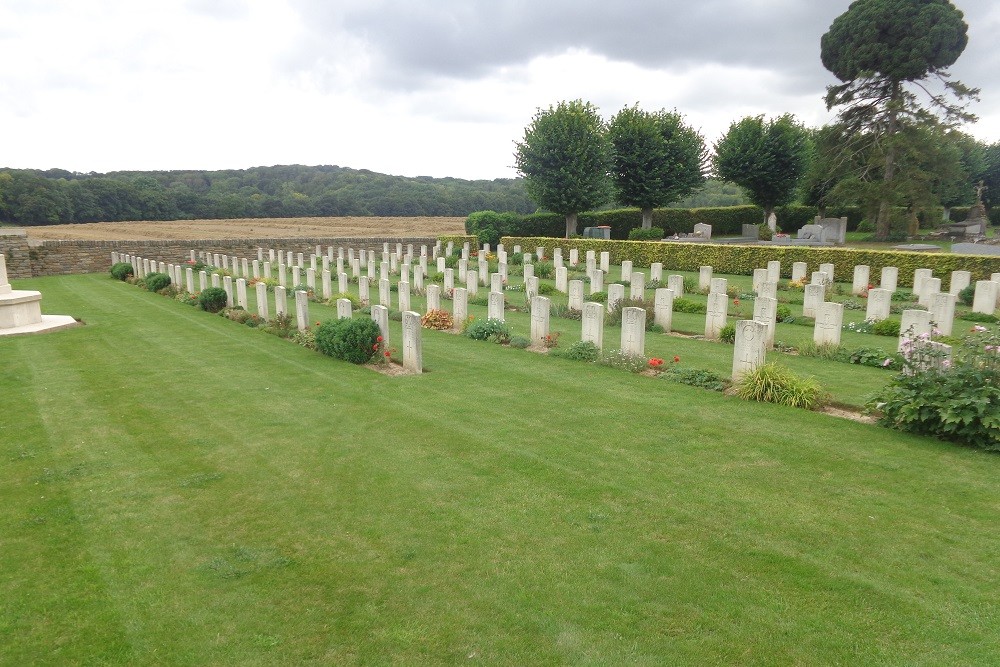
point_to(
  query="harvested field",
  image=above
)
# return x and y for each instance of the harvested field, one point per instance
(249, 228)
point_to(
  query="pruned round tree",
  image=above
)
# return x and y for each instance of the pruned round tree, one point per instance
(885, 52)
(767, 159)
(565, 159)
(657, 159)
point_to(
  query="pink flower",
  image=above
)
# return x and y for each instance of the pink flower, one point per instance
(887, 363)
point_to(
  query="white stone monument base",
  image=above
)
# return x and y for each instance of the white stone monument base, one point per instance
(21, 313)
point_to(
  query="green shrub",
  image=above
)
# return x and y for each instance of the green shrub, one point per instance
(492, 330)
(489, 226)
(156, 281)
(519, 342)
(543, 289)
(544, 269)
(783, 312)
(582, 350)
(727, 334)
(614, 317)
(651, 234)
(876, 357)
(866, 227)
(683, 305)
(694, 377)
(967, 295)
(355, 301)
(771, 383)
(597, 297)
(212, 299)
(122, 270)
(955, 402)
(826, 351)
(355, 340)
(978, 317)
(887, 327)
(764, 232)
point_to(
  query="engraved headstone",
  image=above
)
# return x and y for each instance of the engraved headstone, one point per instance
(749, 349)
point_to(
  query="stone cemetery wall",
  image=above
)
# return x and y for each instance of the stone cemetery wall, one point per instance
(26, 259)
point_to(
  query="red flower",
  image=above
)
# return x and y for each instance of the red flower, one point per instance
(655, 362)
(387, 355)
(375, 347)
(677, 360)
(379, 339)
(736, 302)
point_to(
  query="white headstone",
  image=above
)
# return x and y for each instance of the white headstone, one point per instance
(496, 282)
(942, 305)
(637, 286)
(262, 305)
(562, 279)
(774, 271)
(531, 288)
(750, 348)
(344, 309)
(364, 291)
(815, 295)
(890, 278)
(879, 303)
(241, 293)
(403, 292)
(634, 331)
(760, 276)
(574, 257)
(433, 297)
(799, 270)
(676, 283)
(616, 293)
(985, 299)
(449, 279)
(715, 317)
(591, 260)
(663, 307)
(704, 278)
(765, 309)
(828, 270)
(576, 294)
(459, 307)
(380, 316)
(190, 279)
(918, 279)
(539, 320)
(862, 273)
(384, 290)
(472, 283)
(819, 278)
(959, 281)
(441, 264)
(528, 272)
(606, 262)
(626, 271)
(829, 322)
(656, 272)
(227, 284)
(327, 285)
(495, 306)
(202, 281)
(302, 310)
(413, 357)
(915, 324)
(716, 286)
(928, 287)
(596, 281)
(593, 323)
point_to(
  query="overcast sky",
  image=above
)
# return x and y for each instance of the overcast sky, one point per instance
(410, 87)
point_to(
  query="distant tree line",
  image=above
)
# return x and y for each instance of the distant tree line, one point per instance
(34, 197)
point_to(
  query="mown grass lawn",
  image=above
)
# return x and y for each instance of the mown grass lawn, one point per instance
(180, 489)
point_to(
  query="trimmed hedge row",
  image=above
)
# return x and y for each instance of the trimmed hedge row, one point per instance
(742, 260)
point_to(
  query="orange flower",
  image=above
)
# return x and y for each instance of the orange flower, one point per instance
(677, 360)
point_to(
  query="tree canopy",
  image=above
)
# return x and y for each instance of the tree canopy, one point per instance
(565, 159)
(765, 158)
(885, 52)
(657, 159)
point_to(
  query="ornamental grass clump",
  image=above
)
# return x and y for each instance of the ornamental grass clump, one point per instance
(771, 383)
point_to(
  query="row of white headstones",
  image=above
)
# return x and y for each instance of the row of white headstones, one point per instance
(753, 337)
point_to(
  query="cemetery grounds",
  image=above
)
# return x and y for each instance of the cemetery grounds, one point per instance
(181, 489)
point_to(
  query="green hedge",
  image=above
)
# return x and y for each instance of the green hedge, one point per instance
(460, 241)
(489, 226)
(742, 260)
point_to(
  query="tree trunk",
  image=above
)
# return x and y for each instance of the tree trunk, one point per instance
(570, 224)
(884, 225)
(647, 218)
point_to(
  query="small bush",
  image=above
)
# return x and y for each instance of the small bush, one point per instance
(866, 227)
(491, 330)
(437, 319)
(979, 317)
(519, 342)
(121, 271)
(887, 327)
(694, 377)
(967, 295)
(597, 297)
(727, 334)
(544, 269)
(651, 234)
(783, 312)
(156, 281)
(212, 299)
(355, 301)
(582, 350)
(771, 383)
(545, 289)
(683, 305)
(764, 232)
(355, 340)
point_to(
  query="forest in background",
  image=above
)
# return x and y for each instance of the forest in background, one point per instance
(56, 196)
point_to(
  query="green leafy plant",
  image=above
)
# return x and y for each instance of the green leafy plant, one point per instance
(156, 281)
(122, 270)
(212, 299)
(651, 234)
(695, 377)
(782, 312)
(954, 401)
(772, 383)
(633, 363)
(887, 327)
(727, 334)
(582, 350)
(519, 342)
(978, 317)
(491, 330)
(967, 295)
(544, 270)
(355, 301)
(355, 340)
(683, 305)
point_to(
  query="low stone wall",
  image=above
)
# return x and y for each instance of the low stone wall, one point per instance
(26, 258)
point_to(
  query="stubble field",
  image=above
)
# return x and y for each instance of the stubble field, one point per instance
(250, 228)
